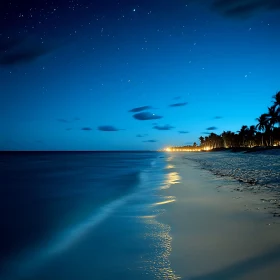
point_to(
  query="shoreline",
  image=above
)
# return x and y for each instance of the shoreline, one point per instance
(244, 149)
(219, 233)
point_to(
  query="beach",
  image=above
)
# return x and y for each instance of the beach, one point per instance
(141, 216)
(218, 232)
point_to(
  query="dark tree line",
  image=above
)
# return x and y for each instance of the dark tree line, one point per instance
(265, 133)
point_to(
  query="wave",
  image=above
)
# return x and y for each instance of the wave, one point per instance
(34, 259)
(119, 192)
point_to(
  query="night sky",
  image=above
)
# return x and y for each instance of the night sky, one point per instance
(113, 75)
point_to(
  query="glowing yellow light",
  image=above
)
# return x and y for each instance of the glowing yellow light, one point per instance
(165, 202)
(147, 217)
(168, 150)
(169, 166)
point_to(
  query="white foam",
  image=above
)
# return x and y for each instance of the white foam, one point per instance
(30, 262)
(33, 260)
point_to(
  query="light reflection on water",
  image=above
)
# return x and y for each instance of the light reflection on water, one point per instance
(157, 263)
(171, 178)
(169, 166)
(172, 199)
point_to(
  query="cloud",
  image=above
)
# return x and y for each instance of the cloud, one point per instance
(163, 127)
(141, 135)
(139, 109)
(146, 116)
(150, 141)
(21, 56)
(20, 50)
(178, 104)
(218, 117)
(9, 44)
(68, 129)
(108, 128)
(244, 8)
(63, 120)
(212, 128)
(183, 131)
(67, 121)
(86, 128)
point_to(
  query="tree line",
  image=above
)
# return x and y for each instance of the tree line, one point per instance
(266, 133)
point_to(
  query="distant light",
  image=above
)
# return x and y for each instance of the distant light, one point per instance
(134, 10)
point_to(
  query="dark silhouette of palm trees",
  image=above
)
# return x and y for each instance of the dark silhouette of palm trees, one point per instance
(265, 133)
(262, 124)
(243, 133)
(276, 107)
(277, 100)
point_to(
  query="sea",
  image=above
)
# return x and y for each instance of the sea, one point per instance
(84, 215)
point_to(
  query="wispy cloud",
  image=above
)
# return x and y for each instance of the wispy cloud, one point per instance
(86, 128)
(21, 56)
(19, 51)
(8, 44)
(163, 127)
(108, 128)
(212, 128)
(218, 117)
(67, 121)
(141, 135)
(244, 8)
(139, 109)
(178, 104)
(144, 116)
(183, 131)
(150, 141)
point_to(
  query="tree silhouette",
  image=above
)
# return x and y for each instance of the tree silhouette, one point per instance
(265, 133)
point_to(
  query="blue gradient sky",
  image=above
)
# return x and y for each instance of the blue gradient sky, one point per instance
(104, 59)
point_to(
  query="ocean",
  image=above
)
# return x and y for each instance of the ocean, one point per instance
(84, 215)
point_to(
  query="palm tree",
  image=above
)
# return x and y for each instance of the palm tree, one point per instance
(243, 133)
(201, 139)
(272, 119)
(277, 100)
(272, 116)
(262, 124)
(251, 135)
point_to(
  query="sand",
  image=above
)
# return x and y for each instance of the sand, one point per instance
(218, 233)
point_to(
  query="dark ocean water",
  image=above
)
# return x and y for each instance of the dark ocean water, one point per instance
(82, 216)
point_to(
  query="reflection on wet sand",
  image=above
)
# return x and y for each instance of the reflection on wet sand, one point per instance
(170, 199)
(171, 178)
(157, 264)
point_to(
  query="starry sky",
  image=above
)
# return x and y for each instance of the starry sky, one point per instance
(126, 75)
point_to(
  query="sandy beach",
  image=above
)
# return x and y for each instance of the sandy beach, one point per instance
(217, 232)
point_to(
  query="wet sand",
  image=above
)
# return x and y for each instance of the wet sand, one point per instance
(218, 233)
